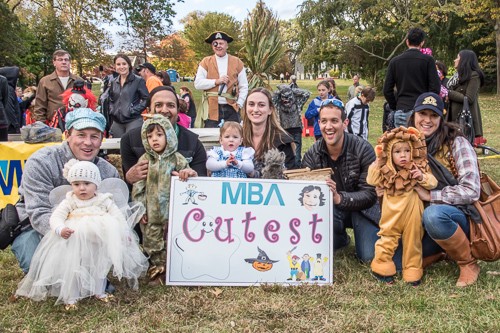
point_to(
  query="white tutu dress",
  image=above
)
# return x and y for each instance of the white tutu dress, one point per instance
(75, 268)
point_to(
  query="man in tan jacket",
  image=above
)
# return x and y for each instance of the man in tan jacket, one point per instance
(48, 94)
(224, 81)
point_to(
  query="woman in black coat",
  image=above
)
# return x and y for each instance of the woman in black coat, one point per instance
(127, 98)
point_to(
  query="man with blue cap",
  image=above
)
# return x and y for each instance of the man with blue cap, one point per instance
(43, 171)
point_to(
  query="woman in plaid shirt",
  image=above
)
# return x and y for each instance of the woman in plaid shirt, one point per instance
(453, 162)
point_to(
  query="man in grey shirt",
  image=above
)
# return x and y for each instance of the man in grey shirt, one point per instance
(43, 172)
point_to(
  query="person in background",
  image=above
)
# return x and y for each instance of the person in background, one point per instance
(333, 88)
(4, 98)
(48, 94)
(358, 111)
(187, 96)
(355, 83)
(409, 75)
(164, 77)
(223, 79)
(148, 72)
(466, 83)
(127, 96)
(184, 119)
(312, 112)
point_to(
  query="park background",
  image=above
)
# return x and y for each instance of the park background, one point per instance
(353, 37)
(356, 302)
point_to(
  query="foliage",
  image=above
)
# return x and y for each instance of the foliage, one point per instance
(174, 52)
(483, 30)
(199, 25)
(12, 45)
(263, 44)
(363, 35)
(146, 21)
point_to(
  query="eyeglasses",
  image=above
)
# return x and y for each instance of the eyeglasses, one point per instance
(62, 59)
(334, 102)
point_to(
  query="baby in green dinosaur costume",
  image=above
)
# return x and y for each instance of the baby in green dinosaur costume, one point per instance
(160, 142)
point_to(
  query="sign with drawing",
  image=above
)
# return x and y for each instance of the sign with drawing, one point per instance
(244, 232)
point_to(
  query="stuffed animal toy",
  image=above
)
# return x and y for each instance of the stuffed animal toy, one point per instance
(274, 164)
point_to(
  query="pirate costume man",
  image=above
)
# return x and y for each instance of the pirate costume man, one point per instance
(222, 77)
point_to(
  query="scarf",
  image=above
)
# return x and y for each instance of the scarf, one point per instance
(453, 81)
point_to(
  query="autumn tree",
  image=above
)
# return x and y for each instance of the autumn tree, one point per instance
(174, 52)
(199, 25)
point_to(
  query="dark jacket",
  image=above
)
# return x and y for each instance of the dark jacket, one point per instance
(350, 171)
(127, 103)
(411, 73)
(456, 96)
(189, 146)
(12, 111)
(4, 100)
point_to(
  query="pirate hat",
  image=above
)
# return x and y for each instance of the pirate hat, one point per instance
(218, 35)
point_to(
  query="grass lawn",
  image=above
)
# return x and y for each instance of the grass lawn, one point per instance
(355, 303)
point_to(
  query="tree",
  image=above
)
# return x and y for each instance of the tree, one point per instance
(363, 35)
(199, 25)
(174, 52)
(11, 37)
(483, 26)
(147, 21)
(263, 44)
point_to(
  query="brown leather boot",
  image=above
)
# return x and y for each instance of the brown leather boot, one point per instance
(458, 248)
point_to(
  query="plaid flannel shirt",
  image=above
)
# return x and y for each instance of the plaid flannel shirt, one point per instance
(468, 188)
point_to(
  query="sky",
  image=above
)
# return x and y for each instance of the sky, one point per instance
(285, 9)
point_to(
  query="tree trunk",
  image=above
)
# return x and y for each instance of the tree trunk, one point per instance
(497, 38)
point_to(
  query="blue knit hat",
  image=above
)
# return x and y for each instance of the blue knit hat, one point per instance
(85, 118)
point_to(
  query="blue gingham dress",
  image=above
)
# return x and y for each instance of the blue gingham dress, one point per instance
(231, 171)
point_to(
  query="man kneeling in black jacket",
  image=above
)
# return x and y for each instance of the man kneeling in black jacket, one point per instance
(355, 202)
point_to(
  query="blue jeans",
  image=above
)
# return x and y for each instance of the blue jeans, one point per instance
(365, 233)
(24, 247)
(441, 221)
(401, 118)
(365, 236)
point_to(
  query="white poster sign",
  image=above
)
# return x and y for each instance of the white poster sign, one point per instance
(240, 232)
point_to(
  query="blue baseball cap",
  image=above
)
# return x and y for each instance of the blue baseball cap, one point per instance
(429, 101)
(82, 118)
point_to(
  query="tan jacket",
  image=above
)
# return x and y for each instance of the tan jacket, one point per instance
(234, 67)
(48, 96)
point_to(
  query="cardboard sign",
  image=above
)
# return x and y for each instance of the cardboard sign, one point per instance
(13, 155)
(240, 232)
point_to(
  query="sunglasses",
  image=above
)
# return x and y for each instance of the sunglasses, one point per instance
(334, 102)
